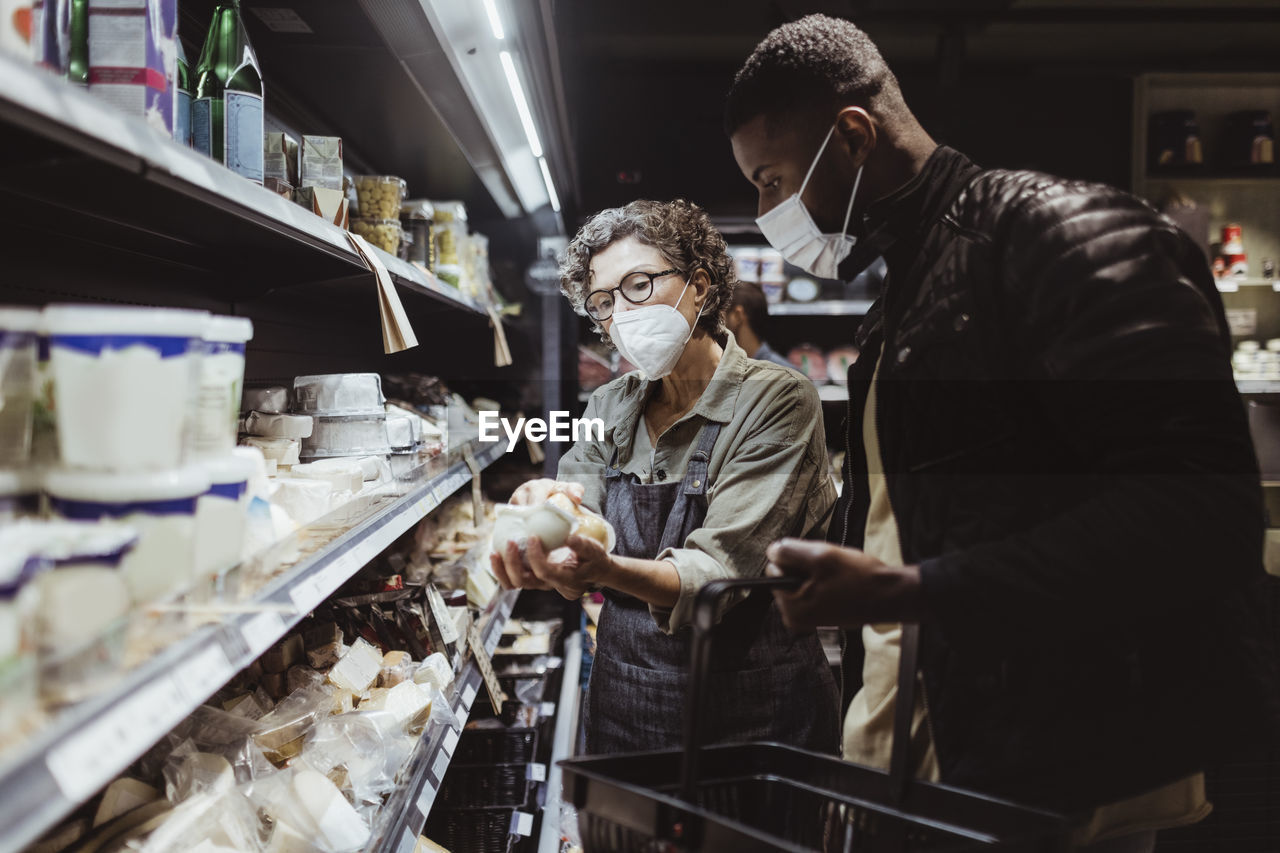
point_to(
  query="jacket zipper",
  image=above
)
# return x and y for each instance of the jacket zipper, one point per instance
(888, 495)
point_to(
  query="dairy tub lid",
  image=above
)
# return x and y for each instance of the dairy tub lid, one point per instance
(228, 329)
(28, 547)
(124, 320)
(19, 319)
(112, 487)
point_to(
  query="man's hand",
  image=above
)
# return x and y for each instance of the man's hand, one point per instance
(582, 563)
(537, 491)
(842, 586)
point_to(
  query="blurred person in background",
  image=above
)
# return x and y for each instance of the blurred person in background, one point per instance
(748, 319)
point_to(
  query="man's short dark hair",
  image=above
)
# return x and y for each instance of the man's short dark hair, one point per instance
(750, 296)
(814, 65)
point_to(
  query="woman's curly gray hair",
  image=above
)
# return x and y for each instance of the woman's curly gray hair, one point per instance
(679, 229)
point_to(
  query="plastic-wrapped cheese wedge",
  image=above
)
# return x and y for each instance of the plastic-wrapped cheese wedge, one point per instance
(338, 825)
(123, 796)
(481, 587)
(409, 703)
(282, 451)
(344, 475)
(277, 425)
(435, 672)
(358, 668)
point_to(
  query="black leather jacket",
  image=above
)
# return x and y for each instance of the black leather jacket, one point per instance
(1069, 463)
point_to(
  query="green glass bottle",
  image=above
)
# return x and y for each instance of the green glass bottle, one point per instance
(182, 120)
(226, 114)
(78, 50)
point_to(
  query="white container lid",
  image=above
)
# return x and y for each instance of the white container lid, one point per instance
(19, 319)
(227, 329)
(124, 320)
(110, 487)
(19, 482)
(232, 468)
(252, 457)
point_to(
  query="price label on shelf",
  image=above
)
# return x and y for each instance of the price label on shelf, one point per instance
(477, 497)
(261, 631)
(547, 709)
(440, 765)
(469, 695)
(496, 694)
(450, 741)
(89, 758)
(537, 772)
(198, 677)
(426, 799)
(521, 823)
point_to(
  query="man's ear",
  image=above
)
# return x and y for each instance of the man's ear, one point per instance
(858, 130)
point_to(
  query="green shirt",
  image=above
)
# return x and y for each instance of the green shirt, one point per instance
(768, 471)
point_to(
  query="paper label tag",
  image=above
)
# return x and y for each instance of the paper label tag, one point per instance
(537, 772)
(1243, 321)
(477, 497)
(547, 709)
(450, 741)
(469, 695)
(496, 694)
(440, 613)
(426, 799)
(521, 823)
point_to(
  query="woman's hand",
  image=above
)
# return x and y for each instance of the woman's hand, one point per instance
(510, 569)
(537, 491)
(581, 564)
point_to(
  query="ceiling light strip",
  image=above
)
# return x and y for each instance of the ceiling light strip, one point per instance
(551, 187)
(522, 105)
(491, 9)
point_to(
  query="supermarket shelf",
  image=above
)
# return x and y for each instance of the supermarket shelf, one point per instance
(405, 814)
(91, 743)
(80, 167)
(1258, 386)
(1231, 285)
(562, 745)
(833, 308)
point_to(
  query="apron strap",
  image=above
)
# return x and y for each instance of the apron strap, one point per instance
(694, 483)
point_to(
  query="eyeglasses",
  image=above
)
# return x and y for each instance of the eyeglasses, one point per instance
(636, 288)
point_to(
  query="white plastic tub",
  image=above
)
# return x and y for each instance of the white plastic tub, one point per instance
(338, 394)
(19, 495)
(213, 432)
(124, 379)
(221, 515)
(353, 435)
(161, 505)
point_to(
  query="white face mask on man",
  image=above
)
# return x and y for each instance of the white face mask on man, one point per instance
(790, 229)
(653, 337)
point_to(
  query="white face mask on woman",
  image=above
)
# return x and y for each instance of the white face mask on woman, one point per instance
(653, 337)
(790, 229)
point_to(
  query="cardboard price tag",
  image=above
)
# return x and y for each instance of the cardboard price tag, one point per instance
(477, 497)
(496, 694)
(397, 334)
(440, 613)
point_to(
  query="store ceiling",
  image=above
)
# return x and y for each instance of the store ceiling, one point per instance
(645, 82)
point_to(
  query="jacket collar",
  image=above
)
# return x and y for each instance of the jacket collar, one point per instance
(717, 402)
(922, 200)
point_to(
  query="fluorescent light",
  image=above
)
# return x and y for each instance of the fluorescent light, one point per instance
(491, 9)
(522, 105)
(551, 187)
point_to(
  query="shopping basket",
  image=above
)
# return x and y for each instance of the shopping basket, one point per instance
(769, 796)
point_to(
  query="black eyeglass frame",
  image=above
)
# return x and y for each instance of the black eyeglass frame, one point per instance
(652, 276)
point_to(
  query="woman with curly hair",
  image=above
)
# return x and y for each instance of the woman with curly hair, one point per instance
(707, 457)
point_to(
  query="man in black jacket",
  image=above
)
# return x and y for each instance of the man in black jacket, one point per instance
(1051, 508)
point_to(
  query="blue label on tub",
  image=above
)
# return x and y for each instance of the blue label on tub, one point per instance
(231, 491)
(93, 510)
(221, 347)
(168, 347)
(13, 340)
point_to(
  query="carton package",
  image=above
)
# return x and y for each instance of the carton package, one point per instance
(329, 205)
(133, 57)
(15, 28)
(320, 162)
(280, 157)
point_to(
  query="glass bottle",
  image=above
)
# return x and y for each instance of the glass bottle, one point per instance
(78, 48)
(226, 114)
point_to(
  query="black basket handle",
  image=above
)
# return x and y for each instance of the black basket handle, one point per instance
(704, 620)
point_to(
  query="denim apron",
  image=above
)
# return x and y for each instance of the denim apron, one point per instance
(766, 684)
